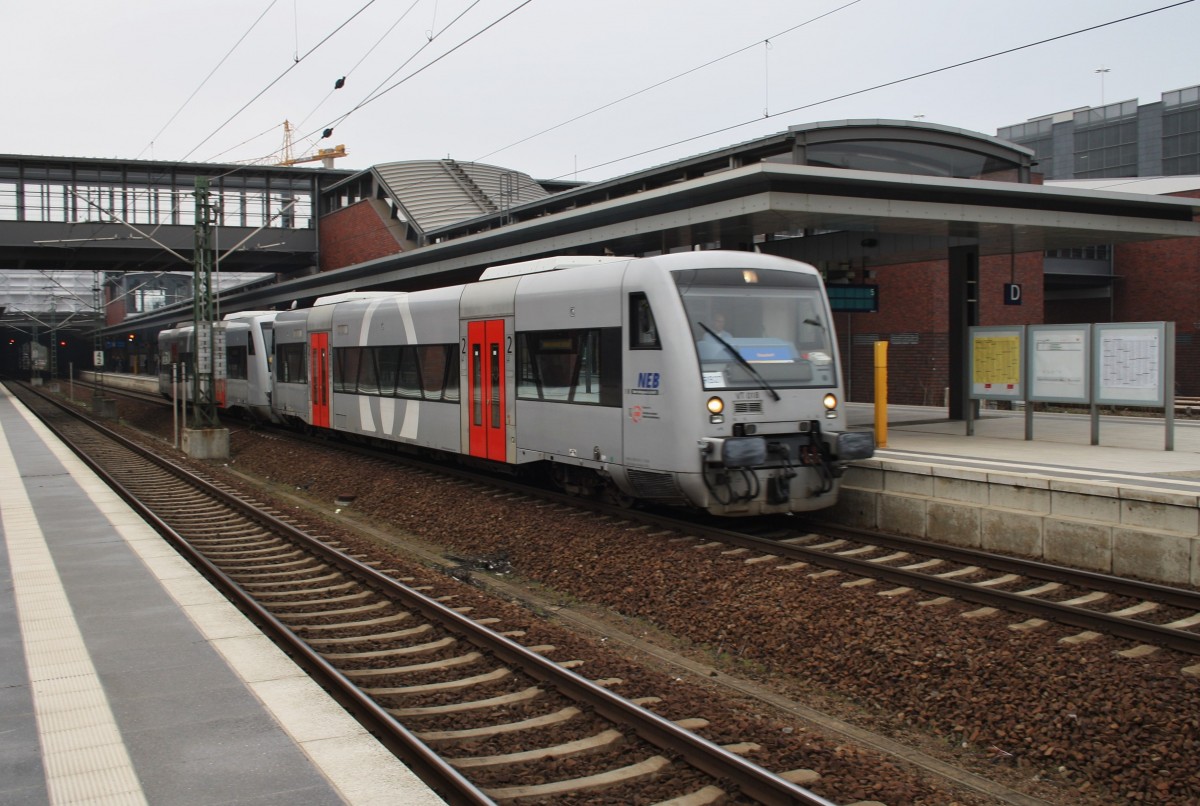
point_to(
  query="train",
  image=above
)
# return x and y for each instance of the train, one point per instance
(244, 371)
(706, 380)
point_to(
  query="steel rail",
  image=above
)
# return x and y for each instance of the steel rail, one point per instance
(433, 769)
(1140, 631)
(751, 779)
(1176, 597)
(1132, 629)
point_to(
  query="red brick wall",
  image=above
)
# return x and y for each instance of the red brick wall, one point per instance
(918, 370)
(1078, 311)
(1159, 281)
(356, 234)
(1024, 269)
(914, 319)
(114, 310)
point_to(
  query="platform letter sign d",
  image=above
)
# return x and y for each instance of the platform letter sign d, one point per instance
(1012, 293)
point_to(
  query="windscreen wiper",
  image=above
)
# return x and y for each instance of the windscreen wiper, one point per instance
(749, 368)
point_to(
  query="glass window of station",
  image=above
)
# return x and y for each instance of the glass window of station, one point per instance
(78, 193)
(1181, 132)
(1106, 142)
(908, 157)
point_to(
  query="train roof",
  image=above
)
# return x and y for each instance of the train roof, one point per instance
(545, 264)
(353, 296)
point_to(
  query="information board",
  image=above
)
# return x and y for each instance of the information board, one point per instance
(1129, 361)
(997, 366)
(1058, 363)
(848, 298)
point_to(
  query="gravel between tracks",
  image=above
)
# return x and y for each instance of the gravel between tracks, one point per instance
(1069, 724)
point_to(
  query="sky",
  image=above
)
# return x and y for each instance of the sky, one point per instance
(571, 89)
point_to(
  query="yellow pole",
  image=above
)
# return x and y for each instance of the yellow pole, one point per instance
(881, 348)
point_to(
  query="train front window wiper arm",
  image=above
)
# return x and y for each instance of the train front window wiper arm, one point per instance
(741, 360)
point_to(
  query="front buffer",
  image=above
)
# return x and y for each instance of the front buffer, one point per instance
(776, 473)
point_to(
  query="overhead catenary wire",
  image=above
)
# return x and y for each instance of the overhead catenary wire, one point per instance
(885, 84)
(378, 93)
(607, 105)
(668, 80)
(812, 104)
(297, 58)
(341, 82)
(199, 87)
(277, 79)
(776, 114)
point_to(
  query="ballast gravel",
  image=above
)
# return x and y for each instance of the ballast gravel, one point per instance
(1067, 723)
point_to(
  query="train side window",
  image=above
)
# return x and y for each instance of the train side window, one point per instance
(368, 372)
(345, 368)
(450, 365)
(409, 375)
(570, 366)
(388, 365)
(290, 363)
(235, 363)
(476, 382)
(432, 360)
(268, 333)
(643, 332)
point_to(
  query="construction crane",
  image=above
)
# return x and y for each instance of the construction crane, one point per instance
(326, 156)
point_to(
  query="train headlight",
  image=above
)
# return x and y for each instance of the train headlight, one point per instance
(830, 402)
(715, 406)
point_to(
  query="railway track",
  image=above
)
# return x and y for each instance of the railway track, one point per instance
(1148, 614)
(477, 714)
(919, 676)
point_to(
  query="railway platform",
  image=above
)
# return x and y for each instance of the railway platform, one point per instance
(125, 678)
(1125, 506)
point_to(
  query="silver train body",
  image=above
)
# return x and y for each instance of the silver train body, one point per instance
(248, 354)
(698, 379)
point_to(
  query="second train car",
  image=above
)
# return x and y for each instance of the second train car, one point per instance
(249, 350)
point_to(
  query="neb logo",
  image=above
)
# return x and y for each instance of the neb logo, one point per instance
(647, 380)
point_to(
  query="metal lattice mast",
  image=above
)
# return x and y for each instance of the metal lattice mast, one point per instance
(203, 386)
(98, 338)
(53, 339)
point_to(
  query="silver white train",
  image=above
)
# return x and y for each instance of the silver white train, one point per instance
(249, 346)
(699, 379)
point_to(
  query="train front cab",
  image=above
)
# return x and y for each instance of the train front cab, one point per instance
(177, 362)
(739, 419)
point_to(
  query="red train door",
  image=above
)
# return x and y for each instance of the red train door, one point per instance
(485, 388)
(318, 378)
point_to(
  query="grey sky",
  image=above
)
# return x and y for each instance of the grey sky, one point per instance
(105, 79)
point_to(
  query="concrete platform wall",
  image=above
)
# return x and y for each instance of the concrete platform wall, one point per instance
(136, 383)
(1103, 527)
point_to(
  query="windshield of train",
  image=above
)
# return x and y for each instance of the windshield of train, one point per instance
(758, 329)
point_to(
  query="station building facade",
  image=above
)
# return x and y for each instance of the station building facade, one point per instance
(1127, 147)
(404, 206)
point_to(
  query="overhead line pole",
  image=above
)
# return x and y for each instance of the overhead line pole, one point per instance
(210, 338)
